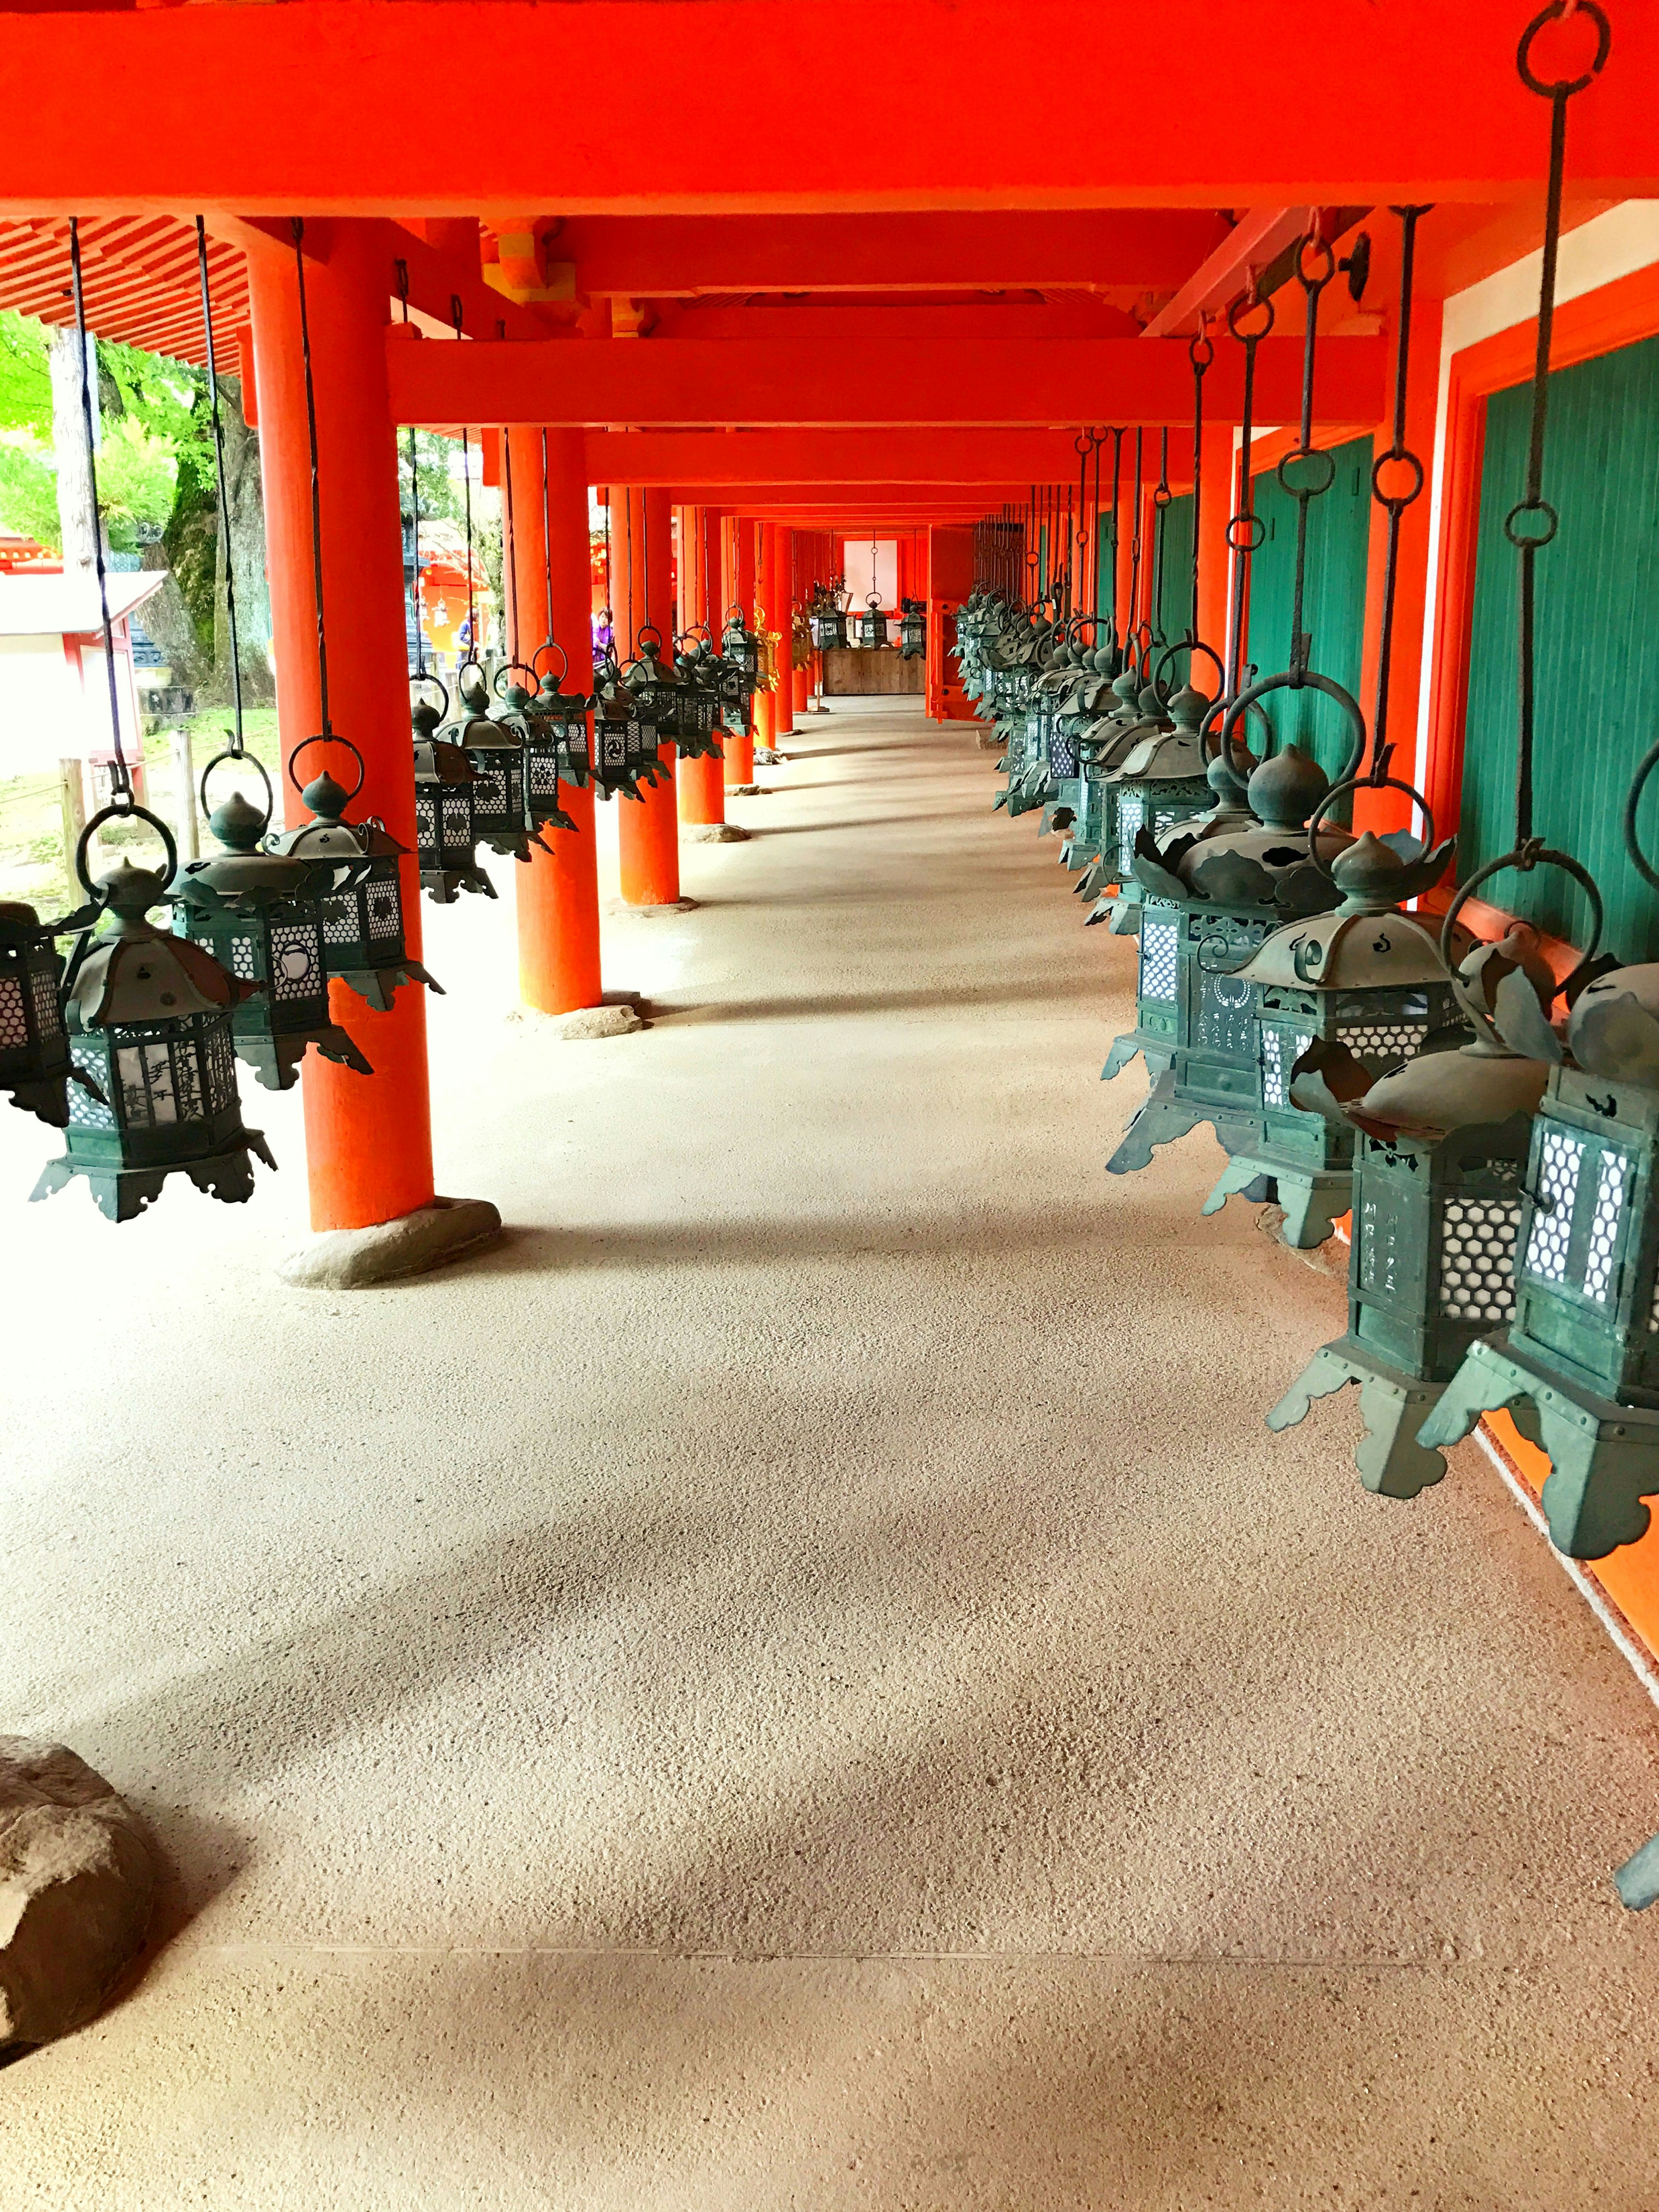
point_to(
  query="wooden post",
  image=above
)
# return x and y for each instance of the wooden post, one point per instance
(72, 797)
(183, 777)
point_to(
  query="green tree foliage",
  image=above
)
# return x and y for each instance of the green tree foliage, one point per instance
(155, 444)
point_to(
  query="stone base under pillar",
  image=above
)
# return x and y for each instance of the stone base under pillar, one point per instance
(614, 1018)
(744, 790)
(711, 833)
(766, 758)
(352, 1259)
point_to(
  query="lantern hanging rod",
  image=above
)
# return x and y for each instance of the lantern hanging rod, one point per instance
(121, 797)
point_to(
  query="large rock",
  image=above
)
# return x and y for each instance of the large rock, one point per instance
(76, 1879)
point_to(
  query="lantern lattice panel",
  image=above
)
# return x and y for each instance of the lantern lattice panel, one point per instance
(86, 1111)
(1157, 959)
(1277, 1061)
(383, 915)
(14, 1024)
(1477, 1259)
(294, 962)
(1552, 1221)
(1394, 1041)
(1599, 1258)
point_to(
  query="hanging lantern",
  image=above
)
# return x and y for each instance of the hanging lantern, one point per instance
(826, 620)
(552, 726)
(364, 936)
(35, 1065)
(739, 644)
(1578, 1367)
(873, 623)
(699, 699)
(495, 755)
(1139, 715)
(1440, 1147)
(149, 1018)
(913, 630)
(1111, 707)
(445, 783)
(1161, 779)
(257, 912)
(1214, 894)
(656, 686)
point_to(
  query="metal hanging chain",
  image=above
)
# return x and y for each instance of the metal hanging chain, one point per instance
(327, 730)
(1099, 439)
(1399, 455)
(467, 481)
(1317, 472)
(1133, 627)
(546, 538)
(628, 535)
(609, 602)
(1117, 487)
(120, 777)
(1162, 497)
(510, 627)
(224, 496)
(402, 269)
(1200, 353)
(1532, 506)
(1246, 531)
(645, 558)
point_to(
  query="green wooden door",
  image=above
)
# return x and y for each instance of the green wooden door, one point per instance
(1597, 644)
(1332, 603)
(1172, 610)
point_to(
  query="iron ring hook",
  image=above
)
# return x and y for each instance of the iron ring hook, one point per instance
(231, 753)
(327, 737)
(1527, 858)
(112, 813)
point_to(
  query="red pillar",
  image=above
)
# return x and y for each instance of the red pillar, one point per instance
(642, 551)
(783, 699)
(766, 566)
(369, 1138)
(558, 891)
(738, 589)
(701, 783)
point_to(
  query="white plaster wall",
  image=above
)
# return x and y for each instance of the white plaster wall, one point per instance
(41, 717)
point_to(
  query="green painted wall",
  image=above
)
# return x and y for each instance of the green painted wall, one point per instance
(1334, 599)
(1597, 644)
(1174, 613)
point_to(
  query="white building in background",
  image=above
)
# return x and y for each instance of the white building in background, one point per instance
(54, 685)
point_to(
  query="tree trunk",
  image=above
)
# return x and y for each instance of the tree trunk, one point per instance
(245, 554)
(68, 436)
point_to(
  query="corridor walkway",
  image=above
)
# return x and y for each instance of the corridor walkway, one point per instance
(801, 1681)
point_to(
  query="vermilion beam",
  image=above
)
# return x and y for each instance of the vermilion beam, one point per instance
(827, 383)
(751, 498)
(1361, 104)
(837, 457)
(663, 257)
